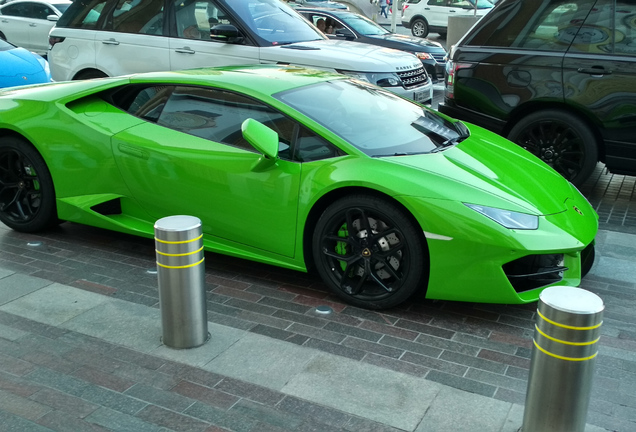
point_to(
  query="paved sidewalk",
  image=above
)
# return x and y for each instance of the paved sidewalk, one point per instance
(73, 360)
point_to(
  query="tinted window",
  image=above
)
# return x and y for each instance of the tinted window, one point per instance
(544, 25)
(148, 103)
(82, 14)
(41, 11)
(144, 17)
(20, 10)
(596, 35)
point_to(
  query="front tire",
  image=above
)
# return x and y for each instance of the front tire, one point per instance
(369, 252)
(561, 140)
(27, 195)
(419, 28)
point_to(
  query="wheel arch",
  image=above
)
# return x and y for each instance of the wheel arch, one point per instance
(533, 107)
(417, 17)
(323, 202)
(88, 71)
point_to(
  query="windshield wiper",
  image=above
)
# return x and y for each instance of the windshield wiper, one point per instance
(449, 143)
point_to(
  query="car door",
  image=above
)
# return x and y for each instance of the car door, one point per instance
(39, 27)
(192, 45)
(132, 40)
(15, 24)
(599, 72)
(190, 158)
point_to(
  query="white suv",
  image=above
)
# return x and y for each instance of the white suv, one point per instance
(117, 37)
(431, 16)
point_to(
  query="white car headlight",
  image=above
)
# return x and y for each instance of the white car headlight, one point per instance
(507, 218)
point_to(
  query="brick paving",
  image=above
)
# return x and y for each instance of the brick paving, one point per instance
(57, 379)
(480, 348)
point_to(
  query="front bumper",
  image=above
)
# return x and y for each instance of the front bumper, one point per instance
(478, 260)
(422, 94)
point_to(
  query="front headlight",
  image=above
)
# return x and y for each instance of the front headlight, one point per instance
(423, 55)
(379, 79)
(506, 218)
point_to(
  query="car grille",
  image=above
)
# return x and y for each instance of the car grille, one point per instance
(413, 77)
(535, 271)
(439, 58)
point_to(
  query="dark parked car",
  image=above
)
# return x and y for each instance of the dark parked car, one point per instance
(355, 27)
(558, 77)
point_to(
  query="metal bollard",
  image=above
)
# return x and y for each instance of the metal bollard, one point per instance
(566, 338)
(181, 278)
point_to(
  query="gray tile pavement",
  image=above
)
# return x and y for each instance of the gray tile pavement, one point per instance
(282, 386)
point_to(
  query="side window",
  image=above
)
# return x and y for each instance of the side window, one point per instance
(217, 115)
(19, 10)
(147, 103)
(596, 35)
(194, 19)
(40, 11)
(134, 16)
(82, 14)
(311, 147)
(625, 33)
(535, 25)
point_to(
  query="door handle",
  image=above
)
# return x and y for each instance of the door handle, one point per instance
(185, 50)
(596, 71)
(33, 25)
(133, 151)
(110, 41)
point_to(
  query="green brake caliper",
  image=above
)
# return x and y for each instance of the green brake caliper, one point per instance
(341, 247)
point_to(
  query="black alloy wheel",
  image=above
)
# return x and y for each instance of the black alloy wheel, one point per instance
(27, 196)
(369, 252)
(561, 140)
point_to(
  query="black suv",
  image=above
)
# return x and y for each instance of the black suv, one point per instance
(558, 77)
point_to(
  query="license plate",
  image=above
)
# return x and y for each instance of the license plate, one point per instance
(422, 96)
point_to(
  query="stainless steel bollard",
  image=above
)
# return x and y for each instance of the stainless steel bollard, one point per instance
(566, 338)
(181, 276)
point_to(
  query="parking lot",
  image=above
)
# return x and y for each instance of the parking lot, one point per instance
(482, 349)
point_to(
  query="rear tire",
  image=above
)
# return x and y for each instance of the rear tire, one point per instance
(561, 140)
(419, 28)
(27, 195)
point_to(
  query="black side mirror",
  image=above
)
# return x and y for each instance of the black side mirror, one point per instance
(226, 33)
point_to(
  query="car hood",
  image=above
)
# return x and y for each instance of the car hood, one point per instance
(492, 166)
(21, 67)
(404, 42)
(341, 55)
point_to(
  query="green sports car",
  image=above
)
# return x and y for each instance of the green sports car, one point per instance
(302, 169)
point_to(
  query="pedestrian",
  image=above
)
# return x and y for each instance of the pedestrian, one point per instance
(383, 6)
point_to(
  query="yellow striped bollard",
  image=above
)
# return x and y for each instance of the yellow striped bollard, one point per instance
(566, 336)
(181, 279)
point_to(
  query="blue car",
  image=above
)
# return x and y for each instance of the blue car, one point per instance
(21, 67)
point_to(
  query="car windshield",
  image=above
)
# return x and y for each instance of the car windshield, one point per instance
(375, 121)
(364, 25)
(274, 21)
